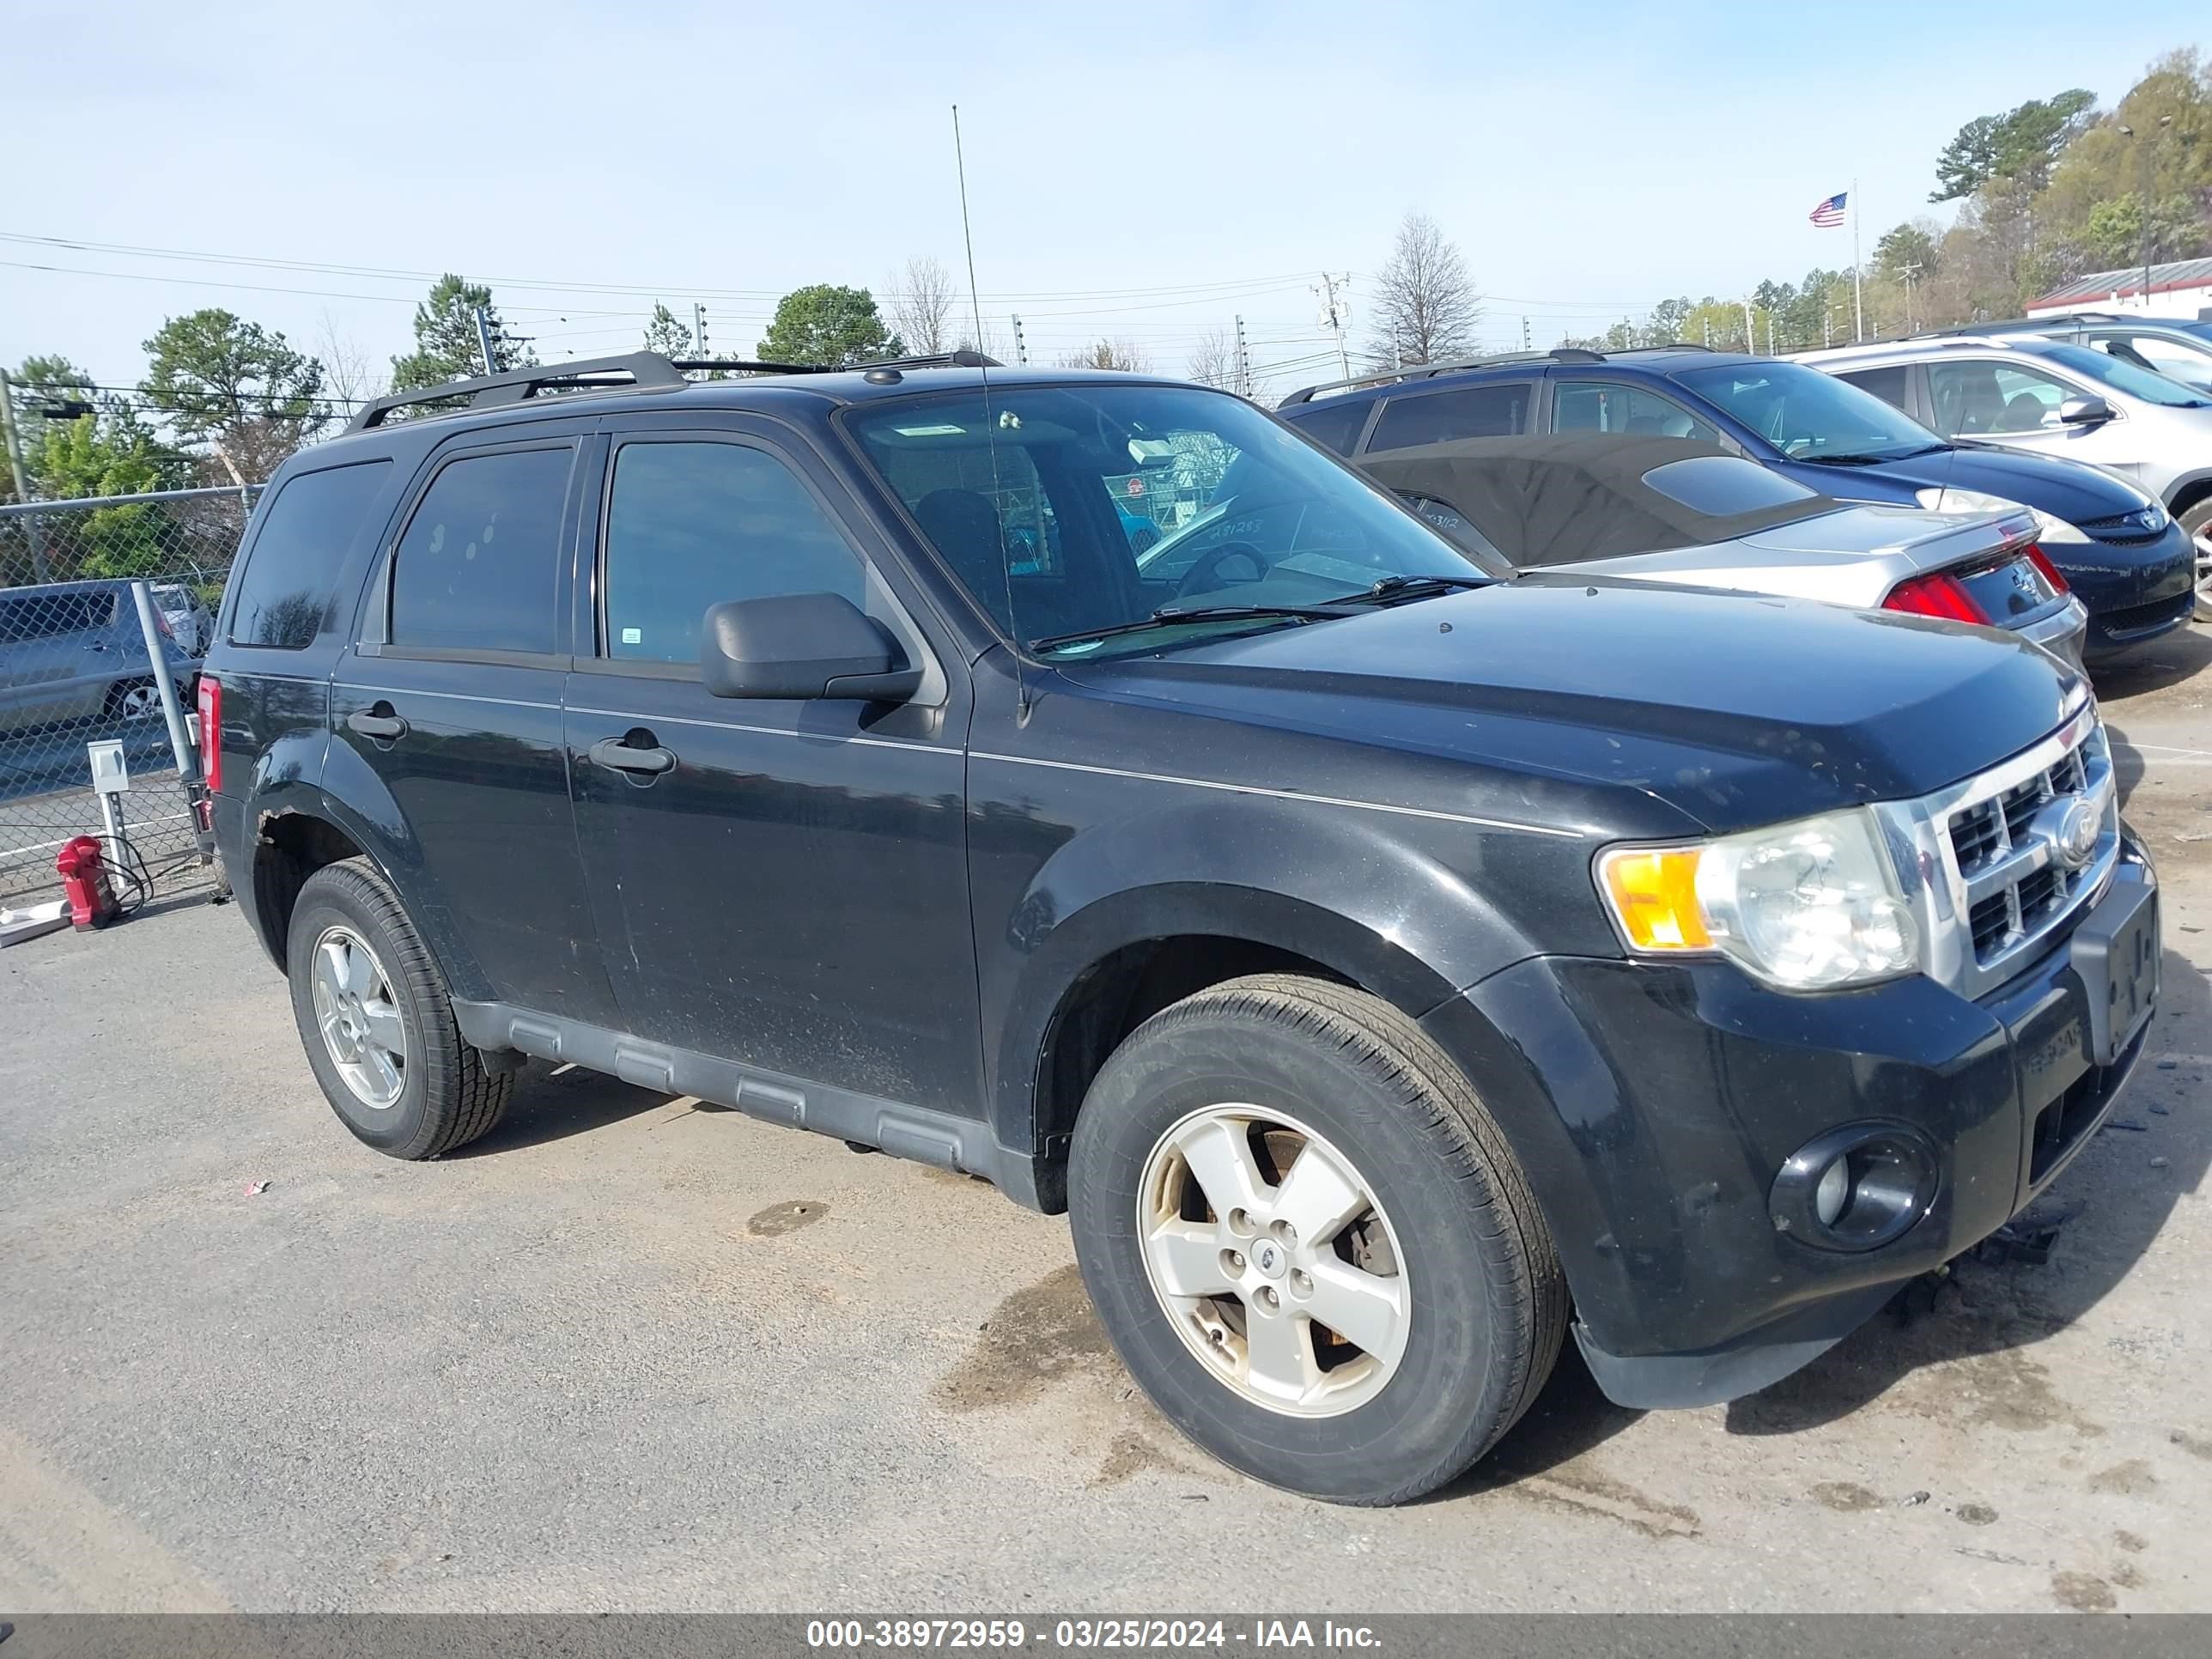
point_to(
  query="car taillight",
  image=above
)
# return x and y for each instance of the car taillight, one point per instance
(1941, 594)
(2051, 573)
(210, 707)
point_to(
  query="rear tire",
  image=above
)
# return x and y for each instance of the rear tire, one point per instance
(1448, 1291)
(132, 701)
(377, 1025)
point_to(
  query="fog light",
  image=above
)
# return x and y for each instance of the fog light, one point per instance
(1857, 1187)
(1835, 1187)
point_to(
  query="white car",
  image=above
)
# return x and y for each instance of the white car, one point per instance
(188, 618)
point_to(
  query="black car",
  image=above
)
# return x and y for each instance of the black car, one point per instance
(2129, 561)
(1379, 956)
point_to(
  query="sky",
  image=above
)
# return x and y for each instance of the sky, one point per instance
(1150, 172)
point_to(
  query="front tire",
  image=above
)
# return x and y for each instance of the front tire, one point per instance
(2197, 525)
(377, 1022)
(1310, 1242)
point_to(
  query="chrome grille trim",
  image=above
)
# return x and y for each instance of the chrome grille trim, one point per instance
(1979, 867)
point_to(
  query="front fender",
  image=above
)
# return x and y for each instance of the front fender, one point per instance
(1403, 908)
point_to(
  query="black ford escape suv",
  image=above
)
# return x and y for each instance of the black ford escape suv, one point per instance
(1379, 956)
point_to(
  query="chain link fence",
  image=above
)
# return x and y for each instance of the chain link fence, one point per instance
(75, 668)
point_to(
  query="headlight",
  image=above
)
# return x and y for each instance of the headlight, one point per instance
(1809, 906)
(1938, 498)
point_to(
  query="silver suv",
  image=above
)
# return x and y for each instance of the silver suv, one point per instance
(2054, 398)
(73, 651)
(2176, 347)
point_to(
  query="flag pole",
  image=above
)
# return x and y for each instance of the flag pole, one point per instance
(1858, 283)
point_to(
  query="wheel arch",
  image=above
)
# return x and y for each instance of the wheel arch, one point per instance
(1111, 934)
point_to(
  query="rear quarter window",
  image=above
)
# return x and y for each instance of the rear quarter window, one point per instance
(1441, 417)
(285, 593)
(1336, 425)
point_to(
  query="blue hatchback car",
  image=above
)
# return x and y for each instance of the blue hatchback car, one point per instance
(2129, 561)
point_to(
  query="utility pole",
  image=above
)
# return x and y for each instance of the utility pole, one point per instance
(1244, 363)
(1750, 329)
(1334, 314)
(483, 339)
(2144, 143)
(1021, 351)
(1910, 273)
(699, 328)
(1527, 344)
(22, 485)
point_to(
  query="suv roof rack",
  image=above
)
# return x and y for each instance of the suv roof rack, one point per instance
(1424, 371)
(648, 371)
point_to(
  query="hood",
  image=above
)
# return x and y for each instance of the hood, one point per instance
(1851, 555)
(1737, 711)
(2071, 491)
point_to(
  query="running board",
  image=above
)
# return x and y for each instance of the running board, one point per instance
(911, 1132)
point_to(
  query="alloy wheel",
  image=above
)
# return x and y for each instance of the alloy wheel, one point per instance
(1273, 1261)
(360, 1019)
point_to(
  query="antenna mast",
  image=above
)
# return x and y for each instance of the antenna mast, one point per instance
(991, 433)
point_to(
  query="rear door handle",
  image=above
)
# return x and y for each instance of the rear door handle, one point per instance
(616, 753)
(378, 723)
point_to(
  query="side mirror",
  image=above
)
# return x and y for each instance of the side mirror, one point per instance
(2084, 411)
(802, 645)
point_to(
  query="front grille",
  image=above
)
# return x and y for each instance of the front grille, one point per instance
(2126, 526)
(2011, 879)
(2127, 619)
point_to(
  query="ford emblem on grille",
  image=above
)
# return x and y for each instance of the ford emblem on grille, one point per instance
(2072, 826)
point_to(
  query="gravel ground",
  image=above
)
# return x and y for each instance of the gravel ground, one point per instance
(633, 1352)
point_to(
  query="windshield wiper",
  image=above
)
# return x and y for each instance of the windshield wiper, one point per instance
(1418, 587)
(1168, 615)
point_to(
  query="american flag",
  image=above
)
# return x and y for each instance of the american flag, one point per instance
(1830, 213)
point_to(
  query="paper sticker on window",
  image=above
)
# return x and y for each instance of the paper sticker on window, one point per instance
(632, 636)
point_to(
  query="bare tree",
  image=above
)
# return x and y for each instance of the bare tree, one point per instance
(1125, 354)
(965, 337)
(918, 303)
(349, 374)
(1424, 307)
(1214, 361)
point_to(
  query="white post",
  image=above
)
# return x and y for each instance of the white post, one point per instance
(1858, 285)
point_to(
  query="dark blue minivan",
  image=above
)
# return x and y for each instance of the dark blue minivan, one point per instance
(2124, 556)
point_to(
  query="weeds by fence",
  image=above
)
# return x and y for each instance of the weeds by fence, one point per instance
(75, 668)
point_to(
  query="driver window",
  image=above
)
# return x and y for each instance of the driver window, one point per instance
(1975, 397)
(692, 524)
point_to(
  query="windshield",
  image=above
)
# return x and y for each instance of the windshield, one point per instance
(1809, 416)
(2139, 383)
(1066, 508)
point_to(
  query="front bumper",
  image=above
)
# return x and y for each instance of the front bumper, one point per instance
(2136, 591)
(1652, 1105)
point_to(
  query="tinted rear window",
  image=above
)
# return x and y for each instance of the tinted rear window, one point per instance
(477, 566)
(285, 592)
(1887, 384)
(1438, 418)
(1336, 424)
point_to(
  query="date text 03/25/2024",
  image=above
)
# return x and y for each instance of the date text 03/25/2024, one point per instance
(1110, 1634)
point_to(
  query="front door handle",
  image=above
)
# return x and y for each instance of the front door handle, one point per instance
(378, 723)
(619, 754)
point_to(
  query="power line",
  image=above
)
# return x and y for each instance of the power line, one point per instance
(646, 290)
